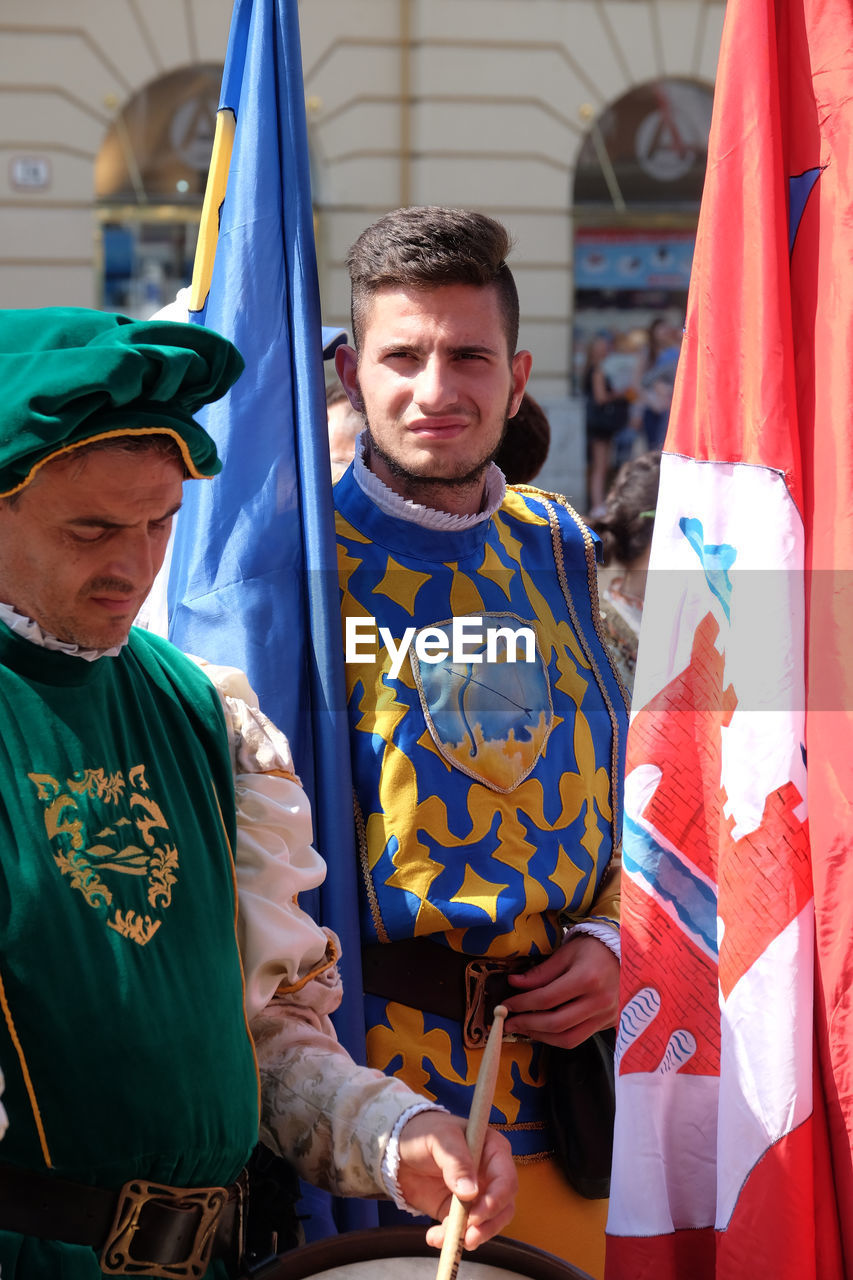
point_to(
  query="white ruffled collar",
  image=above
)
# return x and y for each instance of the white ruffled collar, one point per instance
(30, 630)
(393, 504)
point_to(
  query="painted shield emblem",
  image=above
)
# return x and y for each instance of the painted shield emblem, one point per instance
(485, 695)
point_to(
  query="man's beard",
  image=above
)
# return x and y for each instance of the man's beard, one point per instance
(464, 477)
(106, 635)
(460, 479)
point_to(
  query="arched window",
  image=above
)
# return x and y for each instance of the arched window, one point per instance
(647, 151)
(638, 183)
(150, 176)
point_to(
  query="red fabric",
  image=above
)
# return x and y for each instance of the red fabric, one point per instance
(686, 809)
(766, 378)
(736, 394)
(805, 1245)
(822, 291)
(688, 1254)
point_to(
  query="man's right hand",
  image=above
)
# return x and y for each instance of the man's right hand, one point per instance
(435, 1164)
(569, 996)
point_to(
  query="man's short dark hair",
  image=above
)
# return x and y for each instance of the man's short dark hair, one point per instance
(628, 522)
(429, 247)
(522, 453)
(335, 394)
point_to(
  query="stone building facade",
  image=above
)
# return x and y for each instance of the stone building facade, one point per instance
(577, 122)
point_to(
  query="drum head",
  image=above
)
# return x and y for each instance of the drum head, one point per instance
(401, 1253)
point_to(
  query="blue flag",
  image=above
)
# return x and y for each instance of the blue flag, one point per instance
(253, 582)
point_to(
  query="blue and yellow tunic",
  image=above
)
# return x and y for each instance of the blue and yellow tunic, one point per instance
(123, 1036)
(487, 782)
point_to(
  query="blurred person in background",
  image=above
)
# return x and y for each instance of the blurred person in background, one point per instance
(345, 424)
(654, 381)
(606, 415)
(625, 530)
(621, 368)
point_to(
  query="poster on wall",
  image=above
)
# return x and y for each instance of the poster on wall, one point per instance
(632, 260)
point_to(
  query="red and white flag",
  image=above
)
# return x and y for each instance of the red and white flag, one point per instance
(734, 1127)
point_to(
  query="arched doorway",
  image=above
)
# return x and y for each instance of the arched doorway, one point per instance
(638, 184)
(150, 175)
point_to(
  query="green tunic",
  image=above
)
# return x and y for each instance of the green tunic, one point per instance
(123, 1036)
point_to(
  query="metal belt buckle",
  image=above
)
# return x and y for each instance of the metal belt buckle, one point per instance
(117, 1257)
(478, 1002)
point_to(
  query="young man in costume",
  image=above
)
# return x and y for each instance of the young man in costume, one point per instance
(154, 838)
(487, 724)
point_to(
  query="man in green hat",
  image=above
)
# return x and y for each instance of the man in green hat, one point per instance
(153, 961)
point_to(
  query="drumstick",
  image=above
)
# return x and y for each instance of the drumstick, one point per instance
(475, 1134)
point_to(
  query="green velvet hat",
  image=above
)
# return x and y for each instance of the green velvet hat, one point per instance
(69, 376)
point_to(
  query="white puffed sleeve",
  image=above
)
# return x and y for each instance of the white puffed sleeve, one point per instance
(330, 1117)
(281, 945)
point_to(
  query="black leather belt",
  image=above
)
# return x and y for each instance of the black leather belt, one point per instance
(429, 976)
(142, 1228)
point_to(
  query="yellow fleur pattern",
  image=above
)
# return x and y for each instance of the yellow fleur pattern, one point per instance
(401, 585)
(482, 893)
(494, 569)
(453, 845)
(408, 1040)
(464, 596)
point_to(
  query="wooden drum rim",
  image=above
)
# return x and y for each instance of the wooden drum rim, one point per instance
(408, 1242)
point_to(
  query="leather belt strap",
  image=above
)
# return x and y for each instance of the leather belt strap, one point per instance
(426, 975)
(173, 1230)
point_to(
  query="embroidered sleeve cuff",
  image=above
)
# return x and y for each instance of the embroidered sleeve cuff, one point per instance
(391, 1159)
(606, 931)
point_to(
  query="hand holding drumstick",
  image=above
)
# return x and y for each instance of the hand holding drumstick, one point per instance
(437, 1164)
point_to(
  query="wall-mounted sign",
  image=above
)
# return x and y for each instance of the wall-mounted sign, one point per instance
(656, 140)
(29, 173)
(626, 259)
(192, 128)
(664, 149)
